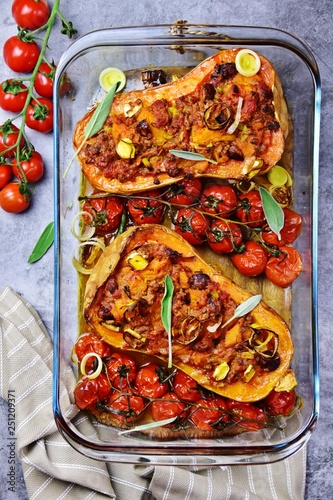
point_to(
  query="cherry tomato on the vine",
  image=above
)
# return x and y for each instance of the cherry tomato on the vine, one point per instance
(219, 199)
(224, 237)
(252, 261)
(21, 56)
(168, 407)
(185, 192)
(6, 173)
(249, 209)
(89, 342)
(105, 211)
(121, 369)
(88, 392)
(150, 381)
(191, 225)
(8, 139)
(30, 14)
(145, 208)
(247, 415)
(280, 402)
(126, 407)
(291, 230)
(40, 115)
(186, 387)
(12, 200)
(32, 165)
(13, 95)
(209, 413)
(284, 268)
(43, 83)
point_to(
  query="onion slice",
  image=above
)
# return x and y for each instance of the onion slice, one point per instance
(84, 362)
(89, 232)
(235, 123)
(78, 266)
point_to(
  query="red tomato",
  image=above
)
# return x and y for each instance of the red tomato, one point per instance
(168, 407)
(280, 402)
(184, 192)
(224, 237)
(150, 381)
(185, 387)
(122, 370)
(30, 14)
(291, 230)
(40, 115)
(126, 407)
(32, 165)
(106, 213)
(13, 95)
(284, 268)
(43, 83)
(247, 415)
(12, 200)
(210, 413)
(8, 139)
(252, 261)
(219, 199)
(19, 55)
(250, 209)
(88, 392)
(89, 342)
(191, 225)
(6, 173)
(145, 208)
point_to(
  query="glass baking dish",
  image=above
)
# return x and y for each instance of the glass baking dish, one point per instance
(183, 46)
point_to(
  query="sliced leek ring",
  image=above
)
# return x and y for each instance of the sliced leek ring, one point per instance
(247, 62)
(110, 76)
(84, 362)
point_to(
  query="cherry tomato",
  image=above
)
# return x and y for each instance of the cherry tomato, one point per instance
(185, 387)
(126, 407)
(224, 237)
(88, 392)
(168, 407)
(284, 268)
(219, 199)
(150, 381)
(191, 225)
(247, 415)
(291, 230)
(146, 209)
(40, 115)
(6, 173)
(250, 209)
(89, 342)
(8, 139)
(209, 413)
(43, 84)
(30, 14)
(252, 261)
(12, 200)
(13, 95)
(280, 402)
(122, 370)
(19, 55)
(32, 165)
(185, 192)
(106, 213)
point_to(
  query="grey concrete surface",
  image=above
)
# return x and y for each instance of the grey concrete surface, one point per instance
(308, 20)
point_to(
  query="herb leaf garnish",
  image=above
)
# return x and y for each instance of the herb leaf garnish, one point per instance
(166, 312)
(151, 425)
(189, 155)
(43, 244)
(244, 308)
(272, 210)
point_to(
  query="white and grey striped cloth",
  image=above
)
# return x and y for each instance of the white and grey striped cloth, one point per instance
(54, 470)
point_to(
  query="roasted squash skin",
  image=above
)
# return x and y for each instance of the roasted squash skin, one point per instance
(256, 145)
(199, 363)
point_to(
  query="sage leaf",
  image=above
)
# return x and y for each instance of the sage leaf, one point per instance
(151, 425)
(188, 155)
(244, 308)
(43, 244)
(272, 210)
(166, 312)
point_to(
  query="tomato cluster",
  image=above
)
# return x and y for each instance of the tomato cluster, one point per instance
(129, 391)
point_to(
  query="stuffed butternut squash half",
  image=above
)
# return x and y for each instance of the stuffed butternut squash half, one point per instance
(235, 123)
(239, 357)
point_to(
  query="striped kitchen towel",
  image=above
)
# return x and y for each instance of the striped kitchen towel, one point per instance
(54, 470)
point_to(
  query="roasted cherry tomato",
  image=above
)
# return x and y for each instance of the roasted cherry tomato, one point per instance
(43, 83)
(291, 230)
(30, 14)
(208, 413)
(249, 209)
(151, 381)
(168, 407)
(252, 261)
(122, 370)
(40, 115)
(21, 56)
(32, 165)
(88, 392)
(247, 415)
(191, 225)
(280, 402)
(284, 268)
(8, 139)
(219, 199)
(145, 208)
(185, 387)
(126, 407)
(224, 237)
(6, 173)
(185, 192)
(13, 95)
(106, 213)
(89, 342)
(12, 199)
